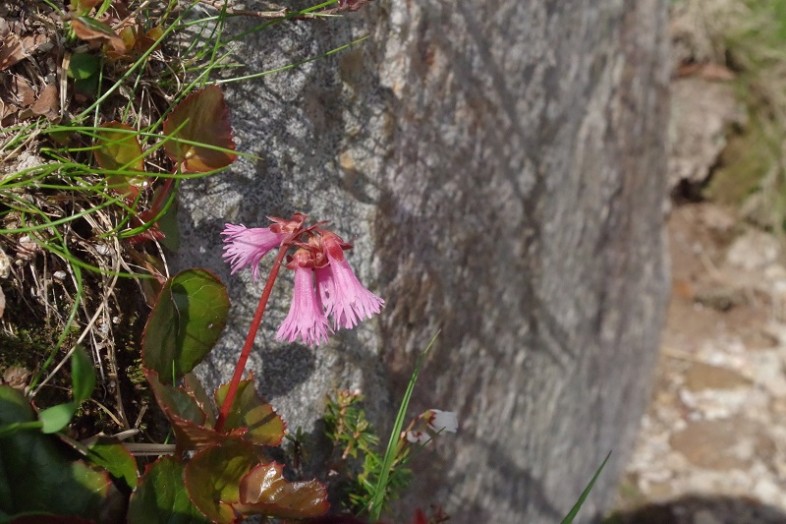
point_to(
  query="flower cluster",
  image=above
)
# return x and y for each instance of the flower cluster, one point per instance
(327, 294)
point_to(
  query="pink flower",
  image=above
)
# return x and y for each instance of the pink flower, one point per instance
(325, 285)
(306, 318)
(344, 297)
(244, 247)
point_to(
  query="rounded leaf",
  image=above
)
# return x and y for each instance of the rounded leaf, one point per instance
(185, 323)
(196, 128)
(57, 417)
(264, 491)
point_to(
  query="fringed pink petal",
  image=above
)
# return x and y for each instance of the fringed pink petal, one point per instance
(346, 300)
(306, 318)
(245, 247)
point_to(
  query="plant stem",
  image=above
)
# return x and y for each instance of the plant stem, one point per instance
(161, 196)
(226, 406)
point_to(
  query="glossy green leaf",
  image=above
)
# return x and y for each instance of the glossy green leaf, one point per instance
(161, 498)
(212, 478)
(201, 119)
(264, 491)
(57, 417)
(185, 323)
(83, 376)
(115, 458)
(249, 411)
(36, 476)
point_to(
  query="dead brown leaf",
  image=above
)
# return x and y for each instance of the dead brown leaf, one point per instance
(38, 42)
(46, 104)
(11, 51)
(6, 109)
(22, 91)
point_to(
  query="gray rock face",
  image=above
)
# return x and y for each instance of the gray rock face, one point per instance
(702, 113)
(500, 169)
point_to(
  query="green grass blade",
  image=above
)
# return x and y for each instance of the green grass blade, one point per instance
(584, 494)
(293, 65)
(378, 496)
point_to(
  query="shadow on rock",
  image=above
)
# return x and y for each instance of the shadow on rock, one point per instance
(284, 368)
(702, 510)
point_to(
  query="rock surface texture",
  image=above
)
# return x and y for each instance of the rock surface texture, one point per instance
(500, 169)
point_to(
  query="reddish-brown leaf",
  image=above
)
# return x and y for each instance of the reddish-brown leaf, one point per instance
(187, 417)
(202, 118)
(89, 29)
(191, 436)
(263, 490)
(174, 400)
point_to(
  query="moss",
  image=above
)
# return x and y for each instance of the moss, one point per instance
(25, 348)
(753, 160)
(742, 167)
(28, 349)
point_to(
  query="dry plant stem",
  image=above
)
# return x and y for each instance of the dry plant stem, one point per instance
(85, 332)
(252, 333)
(143, 449)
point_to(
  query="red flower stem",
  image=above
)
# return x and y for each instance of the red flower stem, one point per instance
(240, 367)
